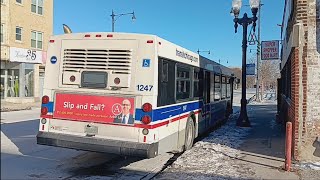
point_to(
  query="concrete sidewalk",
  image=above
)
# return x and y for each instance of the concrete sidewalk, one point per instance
(264, 149)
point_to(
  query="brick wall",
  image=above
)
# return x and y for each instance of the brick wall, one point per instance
(293, 112)
(305, 108)
(312, 119)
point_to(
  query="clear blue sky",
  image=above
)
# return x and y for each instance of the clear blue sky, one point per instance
(203, 24)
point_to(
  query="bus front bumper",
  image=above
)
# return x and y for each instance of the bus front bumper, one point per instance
(98, 144)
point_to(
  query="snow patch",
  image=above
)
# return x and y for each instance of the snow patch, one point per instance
(214, 157)
(309, 165)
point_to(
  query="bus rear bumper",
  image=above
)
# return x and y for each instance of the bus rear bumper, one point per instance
(98, 144)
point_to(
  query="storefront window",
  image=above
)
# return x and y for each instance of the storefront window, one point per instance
(13, 83)
(17, 80)
(29, 73)
(2, 90)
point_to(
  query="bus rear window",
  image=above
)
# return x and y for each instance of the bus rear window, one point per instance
(94, 79)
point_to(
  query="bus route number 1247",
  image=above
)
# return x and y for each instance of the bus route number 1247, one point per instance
(145, 87)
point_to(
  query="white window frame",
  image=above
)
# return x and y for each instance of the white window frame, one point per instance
(37, 40)
(37, 6)
(2, 34)
(19, 2)
(17, 33)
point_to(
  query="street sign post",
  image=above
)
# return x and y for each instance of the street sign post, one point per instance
(251, 69)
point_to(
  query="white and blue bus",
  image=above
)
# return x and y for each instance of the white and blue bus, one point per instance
(129, 94)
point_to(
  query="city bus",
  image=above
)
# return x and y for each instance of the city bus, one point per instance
(129, 94)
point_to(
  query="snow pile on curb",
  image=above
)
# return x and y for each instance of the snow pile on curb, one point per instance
(213, 157)
(5, 109)
(309, 165)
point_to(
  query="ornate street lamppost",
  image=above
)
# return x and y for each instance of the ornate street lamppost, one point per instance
(118, 15)
(243, 120)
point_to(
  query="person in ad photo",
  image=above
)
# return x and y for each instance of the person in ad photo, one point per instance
(125, 117)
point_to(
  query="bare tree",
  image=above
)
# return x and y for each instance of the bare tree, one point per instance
(269, 71)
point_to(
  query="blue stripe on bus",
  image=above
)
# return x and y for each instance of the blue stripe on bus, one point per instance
(49, 105)
(167, 112)
(157, 114)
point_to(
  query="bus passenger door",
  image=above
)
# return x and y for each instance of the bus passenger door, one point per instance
(206, 100)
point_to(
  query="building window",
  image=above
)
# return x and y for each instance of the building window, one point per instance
(19, 1)
(36, 39)
(2, 1)
(37, 6)
(19, 33)
(2, 33)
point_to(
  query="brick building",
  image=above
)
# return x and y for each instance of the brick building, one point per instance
(26, 26)
(299, 96)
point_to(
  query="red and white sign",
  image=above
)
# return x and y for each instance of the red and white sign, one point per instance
(103, 109)
(269, 50)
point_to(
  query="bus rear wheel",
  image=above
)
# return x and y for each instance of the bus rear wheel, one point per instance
(189, 134)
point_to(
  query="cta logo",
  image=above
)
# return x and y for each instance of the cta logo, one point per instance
(53, 59)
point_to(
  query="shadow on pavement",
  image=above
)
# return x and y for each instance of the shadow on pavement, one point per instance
(267, 137)
(22, 134)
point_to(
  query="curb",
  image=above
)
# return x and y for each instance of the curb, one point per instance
(12, 109)
(251, 99)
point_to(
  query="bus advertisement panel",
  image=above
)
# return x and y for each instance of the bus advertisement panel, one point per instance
(102, 109)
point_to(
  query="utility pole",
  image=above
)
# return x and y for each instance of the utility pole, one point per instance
(258, 99)
(113, 20)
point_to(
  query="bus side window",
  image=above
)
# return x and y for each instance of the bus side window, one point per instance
(166, 85)
(212, 87)
(217, 88)
(197, 83)
(183, 83)
(165, 72)
(196, 92)
(224, 87)
(228, 87)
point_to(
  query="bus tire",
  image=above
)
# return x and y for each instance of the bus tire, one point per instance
(188, 143)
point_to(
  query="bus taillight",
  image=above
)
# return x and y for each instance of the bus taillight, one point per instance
(147, 107)
(45, 100)
(146, 119)
(44, 110)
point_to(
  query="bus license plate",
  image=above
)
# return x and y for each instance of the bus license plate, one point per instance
(91, 130)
